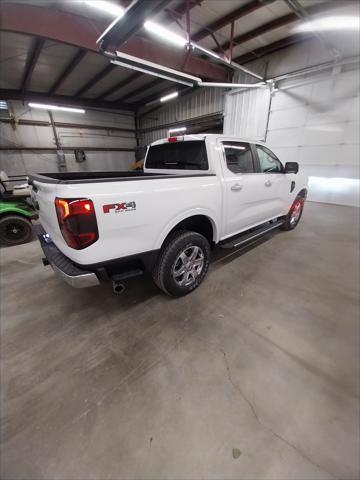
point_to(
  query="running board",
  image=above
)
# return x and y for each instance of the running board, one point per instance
(246, 237)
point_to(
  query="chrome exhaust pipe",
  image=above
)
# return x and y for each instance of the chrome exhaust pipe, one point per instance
(118, 288)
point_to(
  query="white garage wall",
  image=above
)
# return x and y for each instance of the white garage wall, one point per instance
(204, 101)
(23, 162)
(313, 120)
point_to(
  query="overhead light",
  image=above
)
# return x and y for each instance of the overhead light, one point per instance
(165, 33)
(3, 105)
(180, 129)
(151, 68)
(44, 106)
(232, 85)
(205, 50)
(324, 24)
(169, 97)
(107, 7)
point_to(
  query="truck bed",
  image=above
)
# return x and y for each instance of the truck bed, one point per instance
(96, 177)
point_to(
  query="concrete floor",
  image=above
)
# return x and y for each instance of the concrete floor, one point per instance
(260, 363)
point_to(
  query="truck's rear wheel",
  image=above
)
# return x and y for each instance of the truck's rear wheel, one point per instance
(294, 215)
(14, 230)
(183, 263)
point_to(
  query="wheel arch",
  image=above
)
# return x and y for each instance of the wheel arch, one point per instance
(196, 222)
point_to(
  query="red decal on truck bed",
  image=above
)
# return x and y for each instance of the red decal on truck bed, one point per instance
(119, 207)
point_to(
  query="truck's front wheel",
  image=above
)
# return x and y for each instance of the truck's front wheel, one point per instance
(183, 263)
(294, 215)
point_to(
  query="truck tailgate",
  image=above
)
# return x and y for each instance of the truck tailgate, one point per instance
(43, 195)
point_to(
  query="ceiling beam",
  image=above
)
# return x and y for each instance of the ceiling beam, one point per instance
(74, 62)
(82, 32)
(280, 22)
(120, 85)
(64, 100)
(175, 14)
(32, 58)
(123, 28)
(265, 27)
(180, 10)
(229, 18)
(272, 47)
(94, 80)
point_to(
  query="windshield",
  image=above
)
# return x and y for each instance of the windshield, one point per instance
(183, 155)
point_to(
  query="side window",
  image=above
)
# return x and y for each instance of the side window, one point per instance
(269, 163)
(238, 157)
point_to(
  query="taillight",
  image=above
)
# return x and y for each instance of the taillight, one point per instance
(77, 221)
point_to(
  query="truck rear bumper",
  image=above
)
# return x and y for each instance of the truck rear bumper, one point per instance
(62, 266)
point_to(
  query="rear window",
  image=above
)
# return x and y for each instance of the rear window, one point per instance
(178, 156)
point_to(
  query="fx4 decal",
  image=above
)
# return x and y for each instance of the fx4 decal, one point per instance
(119, 207)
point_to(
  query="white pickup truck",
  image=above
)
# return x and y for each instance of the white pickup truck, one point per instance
(196, 191)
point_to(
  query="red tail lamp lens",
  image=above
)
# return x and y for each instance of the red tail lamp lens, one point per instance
(77, 221)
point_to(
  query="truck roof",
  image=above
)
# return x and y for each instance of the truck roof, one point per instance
(202, 136)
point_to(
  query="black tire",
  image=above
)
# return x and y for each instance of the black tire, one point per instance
(15, 230)
(290, 222)
(167, 272)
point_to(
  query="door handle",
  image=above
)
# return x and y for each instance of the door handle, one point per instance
(236, 187)
(268, 183)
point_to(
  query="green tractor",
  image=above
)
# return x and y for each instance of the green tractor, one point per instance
(16, 211)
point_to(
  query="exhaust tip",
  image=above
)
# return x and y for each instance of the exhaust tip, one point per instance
(118, 288)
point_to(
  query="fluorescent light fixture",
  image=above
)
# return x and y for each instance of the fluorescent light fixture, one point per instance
(44, 106)
(232, 85)
(325, 24)
(180, 129)
(169, 97)
(151, 68)
(205, 50)
(107, 7)
(3, 105)
(165, 33)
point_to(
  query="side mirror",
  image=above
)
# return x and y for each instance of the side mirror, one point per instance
(291, 167)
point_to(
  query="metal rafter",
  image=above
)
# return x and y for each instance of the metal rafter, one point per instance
(94, 80)
(279, 22)
(120, 85)
(141, 89)
(32, 59)
(79, 31)
(230, 17)
(123, 28)
(181, 9)
(302, 13)
(70, 67)
(272, 47)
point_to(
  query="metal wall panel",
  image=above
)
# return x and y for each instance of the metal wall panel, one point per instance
(317, 125)
(21, 162)
(313, 119)
(204, 101)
